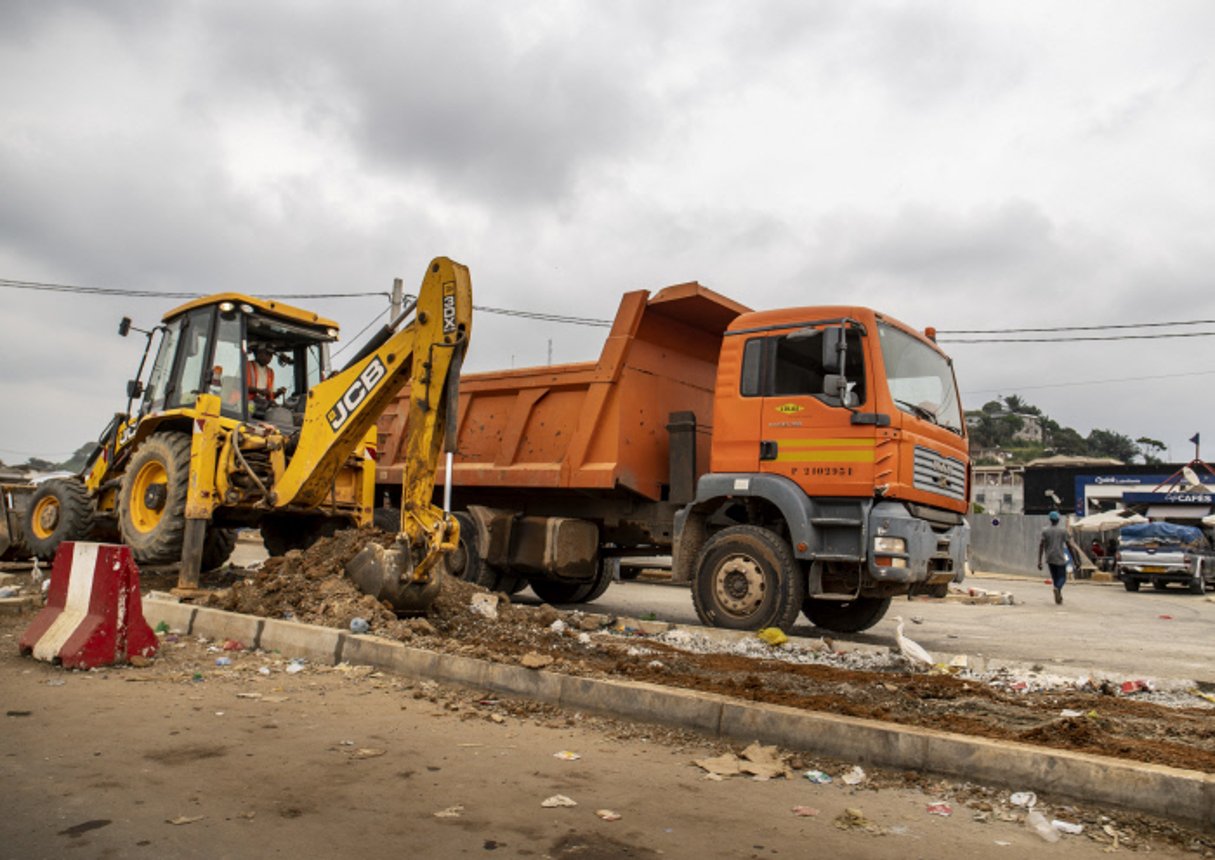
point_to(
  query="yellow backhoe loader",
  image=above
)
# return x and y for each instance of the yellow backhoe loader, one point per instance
(242, 423)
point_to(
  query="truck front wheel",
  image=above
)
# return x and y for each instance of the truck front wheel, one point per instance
(1197, 584)
(1131, 584)
(747, 579)
(850, 616)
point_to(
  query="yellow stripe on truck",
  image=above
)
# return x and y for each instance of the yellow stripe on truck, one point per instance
(786, 455)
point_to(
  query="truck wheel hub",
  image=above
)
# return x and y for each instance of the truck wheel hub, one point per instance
(740, 585)
(48, 517)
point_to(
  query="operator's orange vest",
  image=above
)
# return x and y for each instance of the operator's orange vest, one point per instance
(259, 380)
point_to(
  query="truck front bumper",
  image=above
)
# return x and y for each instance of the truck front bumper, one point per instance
(933, 554)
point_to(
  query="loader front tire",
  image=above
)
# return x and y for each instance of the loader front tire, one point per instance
(152, 501)
(59, 510)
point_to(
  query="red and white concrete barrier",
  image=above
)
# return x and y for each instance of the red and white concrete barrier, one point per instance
(93, 615)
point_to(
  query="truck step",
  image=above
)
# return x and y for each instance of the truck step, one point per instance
(836, 522)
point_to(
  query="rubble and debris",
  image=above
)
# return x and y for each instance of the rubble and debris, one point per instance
(1037, 822)
(855, 776)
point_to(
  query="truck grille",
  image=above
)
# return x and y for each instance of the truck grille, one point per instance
(936, 474)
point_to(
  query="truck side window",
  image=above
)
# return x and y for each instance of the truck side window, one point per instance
(785, 366)
(752, 368)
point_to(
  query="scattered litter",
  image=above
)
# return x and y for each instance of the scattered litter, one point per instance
(9, 591)
(1109, 831)
(1136, 686)
(233, 645)
(219, 713)
(804, 811)
(56, 682)
(655, 664)
(566, 755)
(772, 636)
(759, 761)
(367, 752)
(855, 776)
(346, 743)
(817, 777)
(264, 670)
(295, 666)
(1165, 617)
(450, 812)
(1068, 712)
(1037, 822)
(557, 626)
(185, 819)
(248, 695)
(853, 818)
(608, 815)
(1023, 798)
(584, 639)
(557, 800)
(1002, 843)
(722, 765)
(942, 809)
(359, 625)
(223, 661)
(485, 605)
(197, 677)
(961, 661)
(1067, 827)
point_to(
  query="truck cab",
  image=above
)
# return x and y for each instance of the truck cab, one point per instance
(837, 433)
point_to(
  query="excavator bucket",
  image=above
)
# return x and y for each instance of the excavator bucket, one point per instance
(388, 575)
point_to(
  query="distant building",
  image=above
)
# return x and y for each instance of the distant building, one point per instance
(999, 489)
(1089, 485)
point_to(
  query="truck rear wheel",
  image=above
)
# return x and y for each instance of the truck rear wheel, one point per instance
(152, 501)
(59, 510)
(574, 592)
(850, 616)
(1130, 584)
(747, 579)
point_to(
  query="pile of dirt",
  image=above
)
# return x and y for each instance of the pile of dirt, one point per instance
(311, 586)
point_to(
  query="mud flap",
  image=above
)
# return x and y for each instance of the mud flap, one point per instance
(387, 575)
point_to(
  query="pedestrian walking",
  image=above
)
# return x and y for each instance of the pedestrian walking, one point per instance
(1055, 545)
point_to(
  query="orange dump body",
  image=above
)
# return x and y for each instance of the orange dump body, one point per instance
(592, 426)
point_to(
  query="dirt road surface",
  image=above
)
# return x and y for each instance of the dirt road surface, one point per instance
(189, 759)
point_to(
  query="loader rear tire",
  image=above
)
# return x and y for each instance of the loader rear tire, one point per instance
(59, 510)
(281, 534)
(152, 501)
(217, 547)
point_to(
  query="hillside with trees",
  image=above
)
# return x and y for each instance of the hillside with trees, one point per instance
(1010, 430)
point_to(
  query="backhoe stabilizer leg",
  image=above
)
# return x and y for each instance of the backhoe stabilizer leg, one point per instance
(389, 575)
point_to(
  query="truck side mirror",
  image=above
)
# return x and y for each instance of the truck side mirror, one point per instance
(124, 326)
(134, 389)
(833, 350)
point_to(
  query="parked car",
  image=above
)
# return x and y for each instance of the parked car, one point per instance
(1163, 554)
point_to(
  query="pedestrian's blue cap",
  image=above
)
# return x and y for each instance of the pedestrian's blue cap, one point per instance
(1054, 516)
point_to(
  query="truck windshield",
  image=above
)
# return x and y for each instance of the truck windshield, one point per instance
(921, 379)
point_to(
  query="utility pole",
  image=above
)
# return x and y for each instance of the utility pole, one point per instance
(398, 298)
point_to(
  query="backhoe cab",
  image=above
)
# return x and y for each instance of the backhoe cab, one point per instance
(242, 422)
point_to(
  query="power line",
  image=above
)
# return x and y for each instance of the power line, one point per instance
(1089, 382)
(1161, 336)
(545, 317)
(1074, 327)
(157, 294)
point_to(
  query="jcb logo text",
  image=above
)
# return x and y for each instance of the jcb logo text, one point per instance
(356, 394)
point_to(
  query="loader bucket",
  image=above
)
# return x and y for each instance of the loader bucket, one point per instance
(387, 575)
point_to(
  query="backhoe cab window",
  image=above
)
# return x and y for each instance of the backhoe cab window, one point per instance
(162, 366)
(792, 365)
(189, 379)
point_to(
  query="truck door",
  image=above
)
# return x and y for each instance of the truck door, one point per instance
(806, 428)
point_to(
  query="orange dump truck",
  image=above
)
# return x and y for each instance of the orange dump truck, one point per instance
(808, 459)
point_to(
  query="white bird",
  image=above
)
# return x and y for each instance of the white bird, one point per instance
(909, 648)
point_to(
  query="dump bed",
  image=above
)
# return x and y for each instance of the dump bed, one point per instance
(592, 426)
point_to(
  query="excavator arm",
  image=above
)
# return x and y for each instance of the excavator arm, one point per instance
(425, 355)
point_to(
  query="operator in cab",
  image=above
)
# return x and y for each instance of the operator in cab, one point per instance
(260, 376)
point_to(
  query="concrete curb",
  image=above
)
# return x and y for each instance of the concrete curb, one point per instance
(1164, 791)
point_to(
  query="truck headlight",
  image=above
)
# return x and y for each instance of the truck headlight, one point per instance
(885, 550)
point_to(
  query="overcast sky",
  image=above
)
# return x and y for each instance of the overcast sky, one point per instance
(961, 165)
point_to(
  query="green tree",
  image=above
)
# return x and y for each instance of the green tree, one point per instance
(1150, 449)
(1108, 443)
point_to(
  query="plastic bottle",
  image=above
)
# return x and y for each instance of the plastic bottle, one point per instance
(1037, 822)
